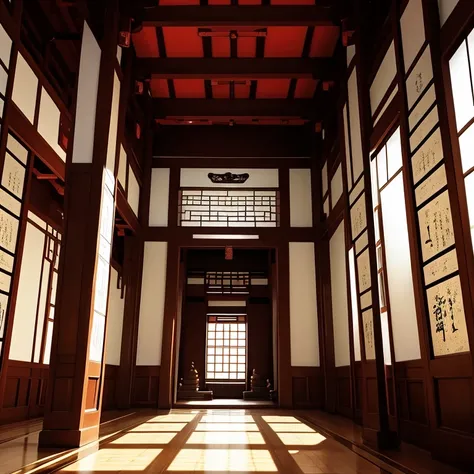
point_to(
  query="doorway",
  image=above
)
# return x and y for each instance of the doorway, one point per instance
(227, 331)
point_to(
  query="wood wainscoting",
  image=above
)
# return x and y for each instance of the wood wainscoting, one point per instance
(109, 395)
(412, 402)
(146, 382)
(25, 391)
(308, 387)
(343, 391)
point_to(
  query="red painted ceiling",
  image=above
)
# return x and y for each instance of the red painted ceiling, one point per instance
(185, 42)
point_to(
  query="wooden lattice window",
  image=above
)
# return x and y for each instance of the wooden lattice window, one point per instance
(229, 208)
(226, 349)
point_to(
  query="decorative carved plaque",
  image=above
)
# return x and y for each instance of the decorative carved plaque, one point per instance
(368, 322)
(228, 178)
(447, 318)
(436, 226)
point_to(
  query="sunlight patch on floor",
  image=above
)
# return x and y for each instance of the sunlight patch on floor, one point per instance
(227, 427)
(230, 460)
(115, 460)
(244, 438)
(145, 438)
(154, 427)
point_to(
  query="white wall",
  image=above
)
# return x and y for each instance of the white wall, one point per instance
(86, 98)
(152, 305)
(336, 186)
(159, 197)
(133, 191)
(301, 208)
(384, 77)
(25, 88)
(27, 299)
(399, 274)
(114, 112)
(115, 309)
(258, 178)
(413, 31)
(122, 168)
(446, 7)
(340, 313)
(354, 120)
(303, 310)
(48, 123)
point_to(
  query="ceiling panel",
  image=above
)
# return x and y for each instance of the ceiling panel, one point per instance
(285, 41)
(182, 42)
(220, 47)
(159, 88)
(145, 43)
(189, 88)
(324, 41)
(272, 88)
(305, 88)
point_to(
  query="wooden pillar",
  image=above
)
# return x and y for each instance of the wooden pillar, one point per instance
(73, 407)
(376, 428)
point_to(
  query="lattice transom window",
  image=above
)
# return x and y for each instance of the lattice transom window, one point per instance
(227, 282)
(226, 352)
(229, 208)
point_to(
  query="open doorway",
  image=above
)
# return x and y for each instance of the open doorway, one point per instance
(227, 330)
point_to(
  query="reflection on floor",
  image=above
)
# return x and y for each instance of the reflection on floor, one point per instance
(226, 403)
(223, 441)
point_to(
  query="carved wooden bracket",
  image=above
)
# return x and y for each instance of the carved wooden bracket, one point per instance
(228, 178)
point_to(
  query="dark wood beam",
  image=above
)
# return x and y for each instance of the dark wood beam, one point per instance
(230, 15)
(304, 108)
(235, 68)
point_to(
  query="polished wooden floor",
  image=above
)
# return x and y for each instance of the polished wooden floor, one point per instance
(207, 441)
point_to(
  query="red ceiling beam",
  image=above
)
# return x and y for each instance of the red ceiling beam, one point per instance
(230, 15)
(304, 108)
(235, 68)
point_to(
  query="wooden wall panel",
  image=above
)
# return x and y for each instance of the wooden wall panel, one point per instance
(307, 387)
(145, 386)
(109, 399)
(25, 391)
(343, 391)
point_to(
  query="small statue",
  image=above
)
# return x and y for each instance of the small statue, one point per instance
(257, 382)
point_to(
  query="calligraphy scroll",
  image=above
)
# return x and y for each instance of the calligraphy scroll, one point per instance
(6, 261)
(424, 128)
(5, 281)
(427, 156)
(447, 319)
(436, 226)
(431, 185)
(419, 78)
(369, 338)
(8, 231)
(7, 201)
(441, 267)
(363, 270)
(13, 177)
(3, 312)
(358, 217)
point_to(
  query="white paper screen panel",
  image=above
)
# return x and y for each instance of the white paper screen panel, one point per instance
(115, 310)
(324, 178)
(301, 208)
(152, 304)
(413, 31)
(133, 196)
(159, 197)
(25, 87)
(303, 309)
(384, 77)
(347, 149)
(48, 123)
(340, 314)
(446, 7)
(122, 169)
(351, 51)
(336, 186)
(258, 178)
(354, 305)
(27, 299)
(112, 142)
(386, 105)
(5, 46)
(399, 273)
(86, 98)
(354, 121)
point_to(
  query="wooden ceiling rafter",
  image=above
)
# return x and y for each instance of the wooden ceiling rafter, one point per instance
(230, 68)
(241, 15)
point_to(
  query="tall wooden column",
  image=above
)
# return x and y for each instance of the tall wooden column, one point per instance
(376, 426)
(73, 408)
